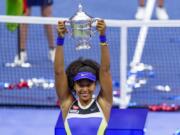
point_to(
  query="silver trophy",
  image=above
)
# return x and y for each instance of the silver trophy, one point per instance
(81, 28)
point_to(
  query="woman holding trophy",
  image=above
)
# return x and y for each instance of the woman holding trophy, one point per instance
(84, 115)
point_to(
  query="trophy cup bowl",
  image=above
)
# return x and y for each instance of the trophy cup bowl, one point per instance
(81, 28)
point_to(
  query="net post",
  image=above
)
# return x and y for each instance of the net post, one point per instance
(18, 42)
(123, 67)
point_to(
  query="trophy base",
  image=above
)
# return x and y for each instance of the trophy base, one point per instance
(83, 45)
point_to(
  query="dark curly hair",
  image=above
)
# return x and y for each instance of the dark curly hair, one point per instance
(81, 65)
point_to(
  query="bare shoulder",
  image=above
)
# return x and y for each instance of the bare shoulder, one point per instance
(66, 104)
(105, 106)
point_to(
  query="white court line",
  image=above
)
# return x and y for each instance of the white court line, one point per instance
(143, 32)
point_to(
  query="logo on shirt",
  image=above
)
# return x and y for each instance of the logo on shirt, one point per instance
(93, 109)
(74, 109)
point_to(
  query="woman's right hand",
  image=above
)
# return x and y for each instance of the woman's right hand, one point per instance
(61, 29)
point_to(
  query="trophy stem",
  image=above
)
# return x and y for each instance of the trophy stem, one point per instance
(83, 44)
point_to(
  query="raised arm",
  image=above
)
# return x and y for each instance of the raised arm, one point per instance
(105, 75)
(61, 82)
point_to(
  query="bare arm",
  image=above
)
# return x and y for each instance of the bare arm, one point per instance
(61, 82)
(60, 75)
(105, 75)
(105, 96)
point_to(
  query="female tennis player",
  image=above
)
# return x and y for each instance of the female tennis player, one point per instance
(84, 115)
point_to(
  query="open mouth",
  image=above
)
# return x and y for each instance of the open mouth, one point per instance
(84, 94)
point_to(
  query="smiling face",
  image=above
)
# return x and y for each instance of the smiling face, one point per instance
(84, 89)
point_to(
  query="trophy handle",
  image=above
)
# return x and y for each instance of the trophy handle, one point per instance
(94, 20)
(68, 23)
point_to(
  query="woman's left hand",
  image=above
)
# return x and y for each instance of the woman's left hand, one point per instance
(101, 27)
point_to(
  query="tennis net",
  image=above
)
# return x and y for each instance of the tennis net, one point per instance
(144, 62)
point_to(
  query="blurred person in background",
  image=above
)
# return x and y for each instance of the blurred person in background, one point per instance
(46, 11)
(83, 114)
(161, 13)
